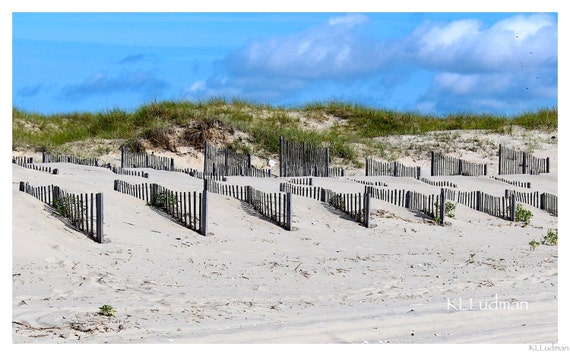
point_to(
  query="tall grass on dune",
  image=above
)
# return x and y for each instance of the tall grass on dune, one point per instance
(261, 123)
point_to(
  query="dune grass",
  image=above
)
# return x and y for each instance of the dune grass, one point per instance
(262, 124)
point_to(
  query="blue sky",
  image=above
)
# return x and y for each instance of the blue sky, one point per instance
(428, 62)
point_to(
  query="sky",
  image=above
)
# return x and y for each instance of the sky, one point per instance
(439, 63)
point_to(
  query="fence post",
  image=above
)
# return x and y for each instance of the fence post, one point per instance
(122, 156)
(22, 186)
(249, 194)
(366, 210)
(408, 199)
(478, 201)
(547, 164)
(323, 195)
(419, 172)
(366, 173)
(524, 160)
(500, 157)
(442, 206)
(432, 162)
(460, 164)
(513, 207)
(485, 169)
(204, 213)
(327, 157)
(289, 214)
(99, 209)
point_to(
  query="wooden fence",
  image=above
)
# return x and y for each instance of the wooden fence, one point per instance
(83, 211)
(394, 169)
(224, 162)
(432, 205)
(513, 182)
(438, 183)
(145, 160)
(501, 207)
(355, 205)
(549, 202)
(28, 163)
(365, 182)
(275, 206)
(189, 209)
(336, 172)
(123, 171)
(448, 166)
(519, 162)
(55, 158)
(302, 159)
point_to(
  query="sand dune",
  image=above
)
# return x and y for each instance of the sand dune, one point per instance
(403, 281)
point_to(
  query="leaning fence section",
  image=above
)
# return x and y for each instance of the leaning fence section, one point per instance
(298, 159)
(449, 166)
(190, 209)
(433, 205)
(394, 169)
(355, 205)
(519, 162)
(502, 207)
(440, 183)
(83, 211)
(275, 206)
(542, 201)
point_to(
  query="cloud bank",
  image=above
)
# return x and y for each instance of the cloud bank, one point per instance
(509, 64)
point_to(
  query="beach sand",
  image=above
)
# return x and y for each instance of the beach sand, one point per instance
(405, 280)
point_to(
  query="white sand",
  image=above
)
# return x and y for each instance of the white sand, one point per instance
(251, 282)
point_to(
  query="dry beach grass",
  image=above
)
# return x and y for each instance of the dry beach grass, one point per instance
(403, 281)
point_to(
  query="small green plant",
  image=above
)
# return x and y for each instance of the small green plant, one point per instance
(106, 310)
(534, 244)
(551, 238)
(450, 209)
(163, 199)
(523, 215)
(471, 259)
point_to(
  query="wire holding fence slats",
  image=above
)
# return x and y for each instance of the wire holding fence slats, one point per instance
(187, 208)
(83, 211)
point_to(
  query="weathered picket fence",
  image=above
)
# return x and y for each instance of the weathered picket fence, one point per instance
(543, 201)
(502, 207)
(448, 166)
(224, 162)
(83, 211)
(190, 209)
(512, 182)
(127, 172)
(394, 169)
(28, 162)
(298, 159)
(549, 202)
(519, 162)
(275, 206)
(365, 182)
(355, 205)
(55, 158)
(336, 172)
(145, 160)
(441, 183)
(433, 205)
